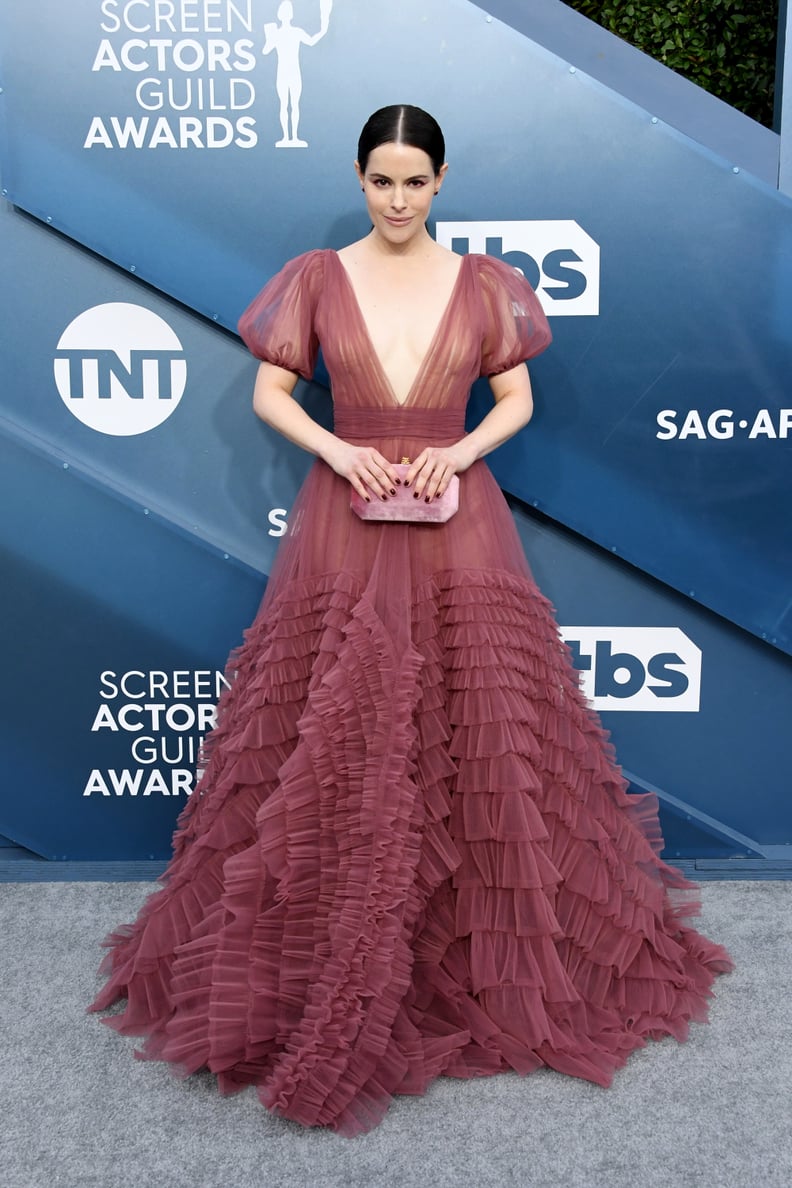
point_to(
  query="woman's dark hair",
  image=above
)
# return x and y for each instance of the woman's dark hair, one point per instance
(402, 124)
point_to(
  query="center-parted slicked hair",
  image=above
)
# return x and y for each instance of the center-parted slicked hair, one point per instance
(402, 123)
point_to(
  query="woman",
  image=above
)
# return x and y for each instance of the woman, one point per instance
(411, 852)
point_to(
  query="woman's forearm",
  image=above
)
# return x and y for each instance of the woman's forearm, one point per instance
(275, 405)
(512, 411)
(363, 466)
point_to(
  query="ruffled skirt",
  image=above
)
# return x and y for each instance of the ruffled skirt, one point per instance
(410, 854)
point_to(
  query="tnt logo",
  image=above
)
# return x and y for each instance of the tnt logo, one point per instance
(636, 668)
(120, 369)
(556, 256)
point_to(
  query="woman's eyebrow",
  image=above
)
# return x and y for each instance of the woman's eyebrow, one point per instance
(413, 177)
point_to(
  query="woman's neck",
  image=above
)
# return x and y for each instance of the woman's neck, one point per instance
(417, 247)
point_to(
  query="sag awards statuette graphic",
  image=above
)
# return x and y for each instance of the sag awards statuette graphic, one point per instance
(186, 69)
(120, 369)
(287, 39)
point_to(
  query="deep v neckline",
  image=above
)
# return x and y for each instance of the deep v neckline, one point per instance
(386, 383)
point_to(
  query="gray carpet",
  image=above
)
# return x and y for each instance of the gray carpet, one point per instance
(76, 1109)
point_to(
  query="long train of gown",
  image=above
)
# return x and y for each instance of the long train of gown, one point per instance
(411, 852)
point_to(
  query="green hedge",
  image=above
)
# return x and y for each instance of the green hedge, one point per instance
(726, 46)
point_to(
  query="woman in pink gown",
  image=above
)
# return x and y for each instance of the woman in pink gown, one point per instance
(411, 852)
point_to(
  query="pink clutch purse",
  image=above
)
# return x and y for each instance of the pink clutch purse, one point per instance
(405, 507)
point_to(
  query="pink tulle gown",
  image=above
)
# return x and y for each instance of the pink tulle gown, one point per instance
(411, 852)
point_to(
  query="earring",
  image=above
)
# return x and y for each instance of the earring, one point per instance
(436, 193)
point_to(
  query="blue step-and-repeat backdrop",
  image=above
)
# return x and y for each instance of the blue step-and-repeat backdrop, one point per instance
(160, 160)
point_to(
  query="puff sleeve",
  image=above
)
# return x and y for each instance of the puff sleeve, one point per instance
(514, 325)
(279, 324)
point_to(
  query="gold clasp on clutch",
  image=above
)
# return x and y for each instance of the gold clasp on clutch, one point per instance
(405, 461)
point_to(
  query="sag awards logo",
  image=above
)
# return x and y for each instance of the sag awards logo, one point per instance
(192, 63)
(120, 369)
(164, 716)
(724, 424)
(636, 668)
(557, 257)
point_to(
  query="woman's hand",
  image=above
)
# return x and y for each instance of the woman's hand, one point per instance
(372, 475)
(432, 470)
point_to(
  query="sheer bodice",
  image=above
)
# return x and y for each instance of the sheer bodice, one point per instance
(491, 323)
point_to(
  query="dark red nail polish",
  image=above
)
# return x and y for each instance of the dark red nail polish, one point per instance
(426, 498)
(392, 491)
(416, 495)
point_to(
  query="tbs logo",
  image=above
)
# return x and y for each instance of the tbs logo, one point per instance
(120, 369)
(556, 256)
(636, 668)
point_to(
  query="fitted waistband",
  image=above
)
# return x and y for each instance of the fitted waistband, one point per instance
(351, 422)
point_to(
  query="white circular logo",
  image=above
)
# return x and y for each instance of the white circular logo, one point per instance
(120, 369)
